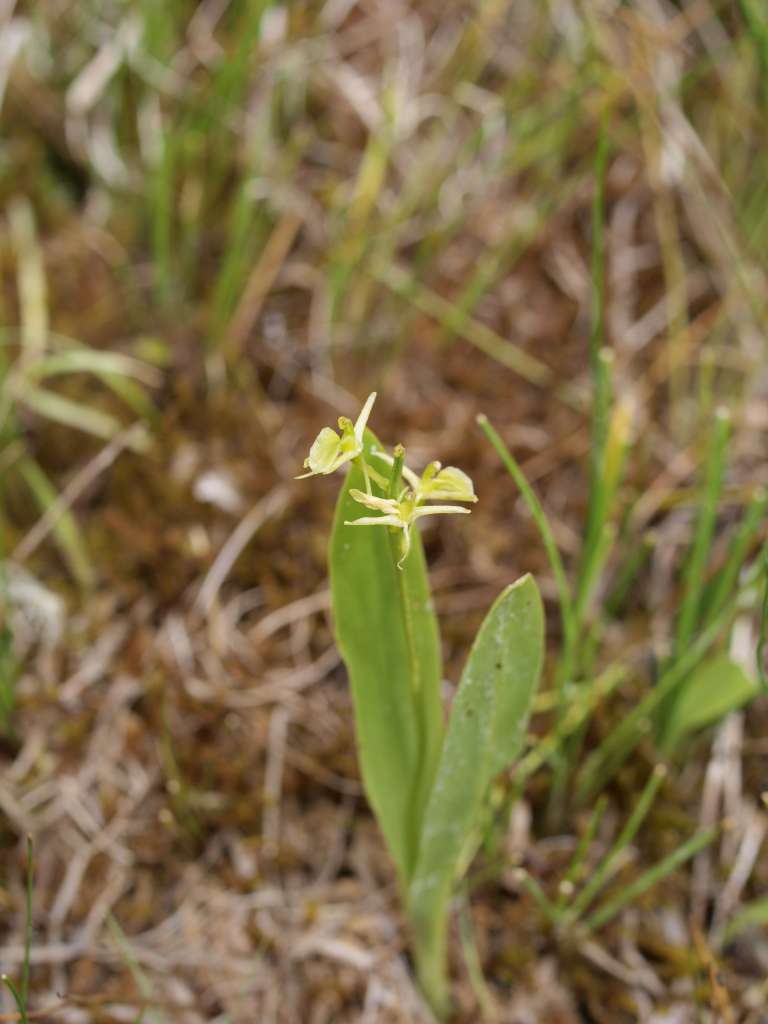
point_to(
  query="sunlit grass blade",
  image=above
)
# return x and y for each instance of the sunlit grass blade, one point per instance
(94, 361)
(31, 280)
(65, 530)
(69, 413)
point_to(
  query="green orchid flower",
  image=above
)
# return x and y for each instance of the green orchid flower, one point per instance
(436, 483)
(401, 513)
(330, 450)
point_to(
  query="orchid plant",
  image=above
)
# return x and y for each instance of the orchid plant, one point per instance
(403, 505)
(427, 780)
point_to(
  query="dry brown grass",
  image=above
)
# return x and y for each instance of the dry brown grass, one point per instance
(183, 752)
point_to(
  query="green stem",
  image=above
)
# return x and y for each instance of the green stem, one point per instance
(397, 471)
(430, 949)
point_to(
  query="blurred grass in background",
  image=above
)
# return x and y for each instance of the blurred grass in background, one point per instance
(222, 218)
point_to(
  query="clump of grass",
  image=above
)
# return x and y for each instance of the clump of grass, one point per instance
(556, 217)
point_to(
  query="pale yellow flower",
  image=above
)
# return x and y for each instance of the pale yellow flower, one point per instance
(330, 450)
(401, 513)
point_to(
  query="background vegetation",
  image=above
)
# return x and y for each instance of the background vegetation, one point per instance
(224, 224)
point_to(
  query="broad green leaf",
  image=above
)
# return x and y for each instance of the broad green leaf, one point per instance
(387, 633)
(717, 687)
(485, 733)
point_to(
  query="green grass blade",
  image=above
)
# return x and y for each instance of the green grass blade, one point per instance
(605, 760)
(28, 923)
(88, 360)
(161, 209)
(65, 530)
(475, 332)
(717, 594)
(388, 636)
(576, 866)
(485, 733)
(693, 574)
(480, 987)
(527, 882)
(604, 871)
(63, 410)
(140, 977)
(761, 640)
(31, 279)
(600, 361)
(539, 517)
(752, 915)
(649, 878)
(21, 1005)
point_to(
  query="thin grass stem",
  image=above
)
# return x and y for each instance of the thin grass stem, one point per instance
(693, 573)
(649, 878)
(607, 867)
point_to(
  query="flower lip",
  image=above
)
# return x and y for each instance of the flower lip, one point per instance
(451, 483)
(436, 483)
(401, 513)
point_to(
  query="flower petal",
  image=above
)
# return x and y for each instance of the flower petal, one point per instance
(362, 419)
(324, 453)
(388, 505)
(451, 483)
(440, 510)
(376, 521)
